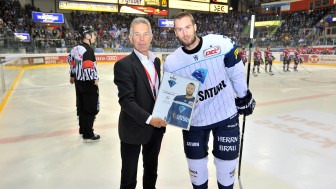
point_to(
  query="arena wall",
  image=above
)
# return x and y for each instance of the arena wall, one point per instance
(60, 58)
(12, 65)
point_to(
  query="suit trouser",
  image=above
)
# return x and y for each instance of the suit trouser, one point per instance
(88, 104)
(130, 157)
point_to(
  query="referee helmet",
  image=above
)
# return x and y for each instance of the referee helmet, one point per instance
(83, 30)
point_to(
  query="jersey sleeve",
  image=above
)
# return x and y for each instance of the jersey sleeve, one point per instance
(72, 64)
(235, 70)
(232, 57)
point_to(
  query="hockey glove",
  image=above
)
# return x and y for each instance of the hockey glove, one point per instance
(245, 105)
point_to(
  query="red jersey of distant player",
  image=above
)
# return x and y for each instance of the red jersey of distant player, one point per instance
(286, 54)
(257, 56)
(268, 55)
(242, 54)
(297, 55)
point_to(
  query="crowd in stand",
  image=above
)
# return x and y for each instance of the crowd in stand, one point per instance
(113, 27)
(290, 32)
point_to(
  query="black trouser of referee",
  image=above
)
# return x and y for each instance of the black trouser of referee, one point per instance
(130, 157)
(88, 106)
(78, 106)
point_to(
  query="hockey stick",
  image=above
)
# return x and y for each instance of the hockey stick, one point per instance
(276, 69)
(244, 117)
(269, 73)
(304, 68)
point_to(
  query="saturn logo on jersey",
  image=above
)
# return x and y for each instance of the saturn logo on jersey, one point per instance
(200, 74)
(212, 51)
(211, 92)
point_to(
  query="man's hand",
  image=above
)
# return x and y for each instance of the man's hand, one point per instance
(158, 122)
(72, 80)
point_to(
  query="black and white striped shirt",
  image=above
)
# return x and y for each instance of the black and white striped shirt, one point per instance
(83, 63)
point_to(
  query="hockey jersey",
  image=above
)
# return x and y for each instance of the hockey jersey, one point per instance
(216, 63)
(180, 111)
(286, 54)
(268, 55)
(257, 56)
(242, 54)
(297, 56)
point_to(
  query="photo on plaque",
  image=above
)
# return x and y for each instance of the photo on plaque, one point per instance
(176, 100)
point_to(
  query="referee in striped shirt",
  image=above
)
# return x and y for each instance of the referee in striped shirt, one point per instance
(83, 72)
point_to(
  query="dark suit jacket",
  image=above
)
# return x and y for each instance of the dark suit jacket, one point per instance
(135, 98)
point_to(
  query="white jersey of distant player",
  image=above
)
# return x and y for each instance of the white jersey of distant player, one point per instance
(216, 96)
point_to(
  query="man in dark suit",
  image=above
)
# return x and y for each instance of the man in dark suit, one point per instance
(137, 77)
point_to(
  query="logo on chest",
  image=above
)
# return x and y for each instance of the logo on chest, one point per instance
(212, 51)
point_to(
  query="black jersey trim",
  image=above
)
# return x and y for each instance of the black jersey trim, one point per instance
(196, 49)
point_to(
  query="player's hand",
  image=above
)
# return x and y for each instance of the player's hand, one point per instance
(245, 105)
(72, 80)
(158, 122)
(96, 82)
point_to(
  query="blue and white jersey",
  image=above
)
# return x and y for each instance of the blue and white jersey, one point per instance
(216, 63)
(180, 111)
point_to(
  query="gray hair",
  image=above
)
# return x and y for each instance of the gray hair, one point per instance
(140, 20)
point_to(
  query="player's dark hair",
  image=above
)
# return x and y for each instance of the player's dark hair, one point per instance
(184, 14)
(191, 84)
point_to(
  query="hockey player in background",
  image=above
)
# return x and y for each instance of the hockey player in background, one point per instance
(181, 108)
(83, 70)
(297, 59)
(268, 60)
(257, 60)
(223, 94)
(243, 56)
(286, 59)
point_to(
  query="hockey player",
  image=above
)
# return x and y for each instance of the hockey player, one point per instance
(268, 60)
(242, 54)
(83, 67)
(181, 108)
(297, 59)
(257, 61)
(223, 94)
(286, 59)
